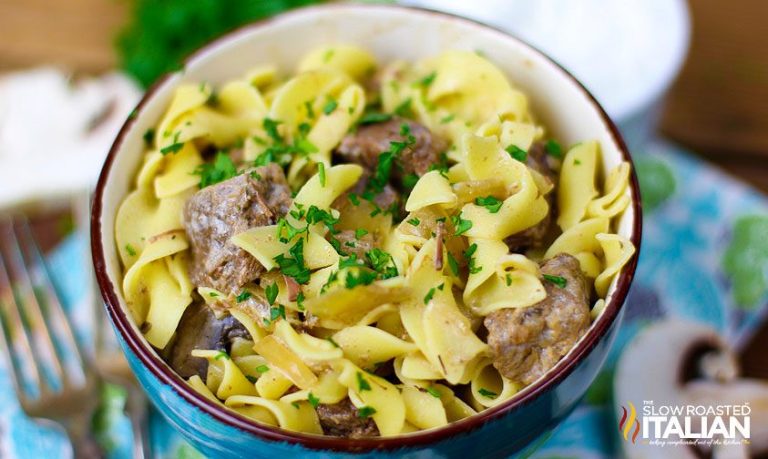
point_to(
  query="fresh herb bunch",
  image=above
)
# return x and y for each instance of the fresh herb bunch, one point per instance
(162, 33)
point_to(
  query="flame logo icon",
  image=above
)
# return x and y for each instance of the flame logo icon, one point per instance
(629, 420)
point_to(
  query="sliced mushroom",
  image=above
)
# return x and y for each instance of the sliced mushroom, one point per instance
(684, 363)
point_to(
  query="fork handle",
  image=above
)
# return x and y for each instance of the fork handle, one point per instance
(84, 446)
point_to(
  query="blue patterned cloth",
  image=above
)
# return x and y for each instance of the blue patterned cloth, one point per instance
(701, 248)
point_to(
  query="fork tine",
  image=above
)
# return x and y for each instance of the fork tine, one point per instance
(27, 302)
(14, 335)
(53, 302)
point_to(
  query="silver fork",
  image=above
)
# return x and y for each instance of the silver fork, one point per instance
(50, 375)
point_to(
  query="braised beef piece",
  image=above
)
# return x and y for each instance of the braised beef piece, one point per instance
(386, 199)
(526, 342)
(200, 329)
(366, 144)
(216, 213)
(535, 236)
(342, 420)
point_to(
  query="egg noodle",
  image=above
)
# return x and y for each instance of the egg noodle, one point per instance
(420, 303)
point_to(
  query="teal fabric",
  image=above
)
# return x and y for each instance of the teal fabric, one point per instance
(703, 242)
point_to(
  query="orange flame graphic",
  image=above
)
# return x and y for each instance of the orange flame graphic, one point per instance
(627, 421)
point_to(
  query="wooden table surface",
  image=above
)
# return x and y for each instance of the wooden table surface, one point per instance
(718, 106)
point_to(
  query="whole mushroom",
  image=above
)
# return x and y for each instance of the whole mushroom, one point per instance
(684, 363)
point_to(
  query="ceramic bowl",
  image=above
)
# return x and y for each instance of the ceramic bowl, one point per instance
(390, 32)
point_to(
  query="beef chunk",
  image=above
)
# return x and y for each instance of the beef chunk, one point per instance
(366, 144)
(216, 213)
(526, 342)
(535, 236)
(200, 329)
(350, 244)
(341, 420)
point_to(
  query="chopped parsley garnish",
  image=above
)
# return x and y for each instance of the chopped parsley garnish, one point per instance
(318, 215)
(470, 260)
(364, 277)
(374, 117)
(448, 119)
(220, 170)
(271, 291)
(296, 405)
(453, 264)
(270, 127)
(294, 266)
(557, 280)
(360, 232)
(149, 136)
(460, 225)
(354, 199)
(335, 344)
(286, 232)
(576, 162)
(314, 401)
(428, 80)
(213, 294)
(414, 221)
(410, 180)
(321, 173)
(275, 312)
(517, 153)
(281, 152)
(330, 105)
(382, 263)
(131, 251)
(508, 279)
(252, 379)
(174, 147)
(328, 55)
(300, 301)
(331, 279)
(441, 165)
(310, 110)
(491, 203)
(244, 295)
(362, 384)
(262, 368)
(404, 109)
(434, 392)
(255, 175)
(366, 412)
(487, 393)
(430, 294)
(553, 148)
(350, 262)
(386, 160)
(221, 355)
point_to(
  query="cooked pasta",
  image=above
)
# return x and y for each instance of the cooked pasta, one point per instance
(356, 251)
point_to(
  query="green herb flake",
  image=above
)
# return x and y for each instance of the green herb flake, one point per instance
(321, 173)
(362, 383)
(381, 262)
(374, 117)
(330, 105)
(561, 282)
(270, 127)
(335, 344)
(365, 412)
(149, 136)
(276, 312)
(174, 147)
(460, 225)
(213, 294)
(130, 250)
(220, 170)
(491, 203)
(252, 379)
(354, 199)
(262, 369)
(427, 80)
(360, 232)
(576, 162)
(429, 295)
(404, 109)
(310, 110)
(453, 264)
(487, 393)
(414, 221)
(517, 153)
(221, 355)
(508, 279)
(364, 277)
(434, 392)
(447, 119)
(468, 255)
(328, 55)
(300, 301)
(295, 405)
(271, 291)
(553, 148)
(313, 400)
(294, 266)
(244, 295)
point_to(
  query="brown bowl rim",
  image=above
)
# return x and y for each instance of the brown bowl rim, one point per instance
(152, 361)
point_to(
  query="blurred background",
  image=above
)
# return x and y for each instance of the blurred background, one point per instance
(687, 82)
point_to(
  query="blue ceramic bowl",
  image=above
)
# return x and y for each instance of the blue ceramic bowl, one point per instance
(390, 32)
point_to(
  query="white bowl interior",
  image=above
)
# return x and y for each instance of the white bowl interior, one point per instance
(390, 33)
